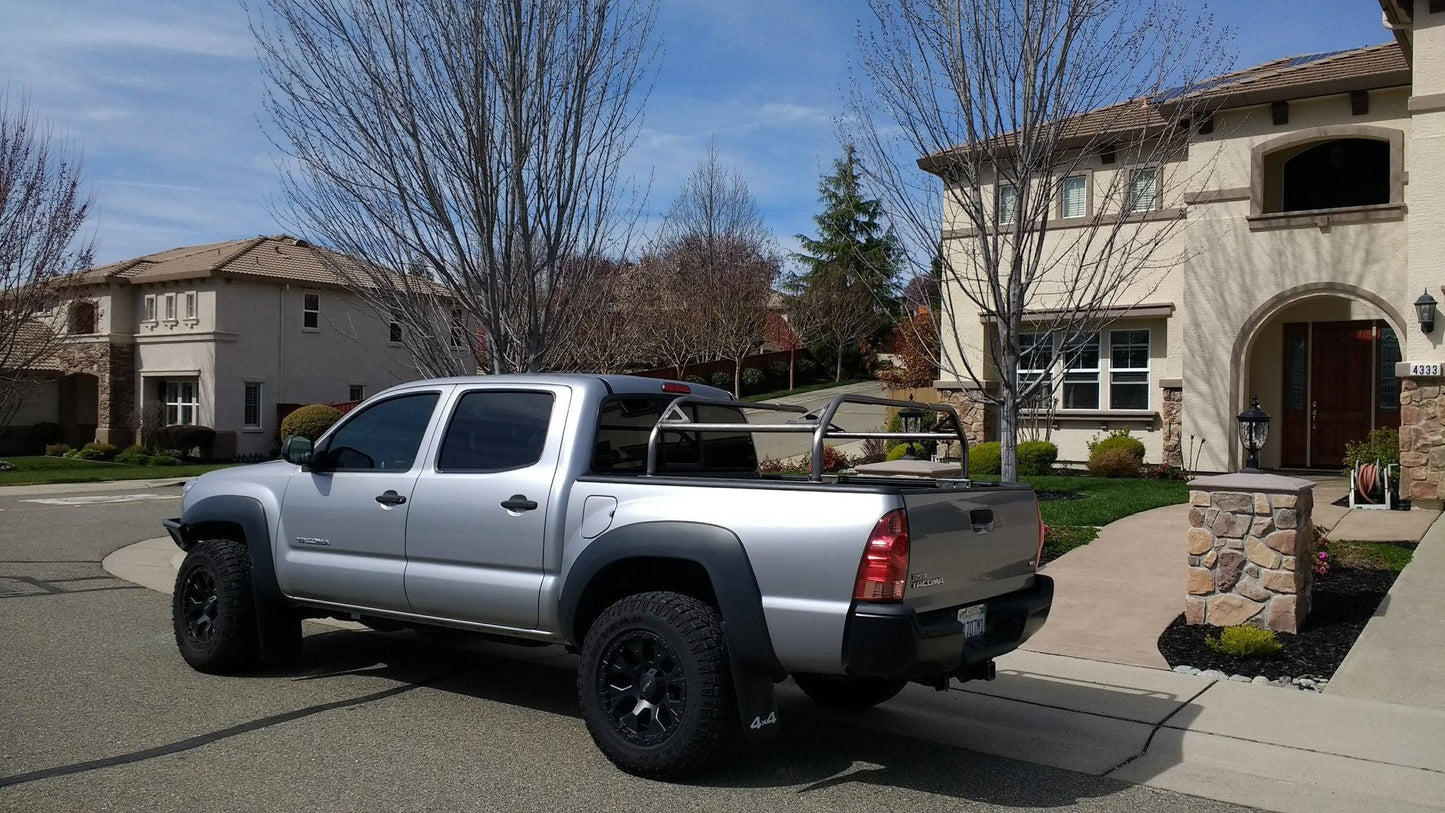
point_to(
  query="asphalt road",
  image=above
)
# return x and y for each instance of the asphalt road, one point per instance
(98, 712)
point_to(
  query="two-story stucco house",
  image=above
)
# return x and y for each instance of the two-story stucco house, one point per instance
(1307, 241)
(216, 335)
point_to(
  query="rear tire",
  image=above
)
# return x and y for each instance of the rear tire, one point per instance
(654, 685)
(855, 693)
(213, 609)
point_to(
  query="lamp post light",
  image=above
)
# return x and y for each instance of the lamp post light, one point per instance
(912, 420)
(1425, 312)
(1253, 432)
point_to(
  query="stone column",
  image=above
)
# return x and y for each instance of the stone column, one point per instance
(1422, 438)
(1171, 415)
(973, 410)
(1251, 547)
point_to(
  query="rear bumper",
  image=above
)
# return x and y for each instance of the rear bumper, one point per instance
(894, 641)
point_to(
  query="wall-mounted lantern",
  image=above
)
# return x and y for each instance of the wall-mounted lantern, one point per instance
(1253, 432)
(911, 418)
(1425, 312)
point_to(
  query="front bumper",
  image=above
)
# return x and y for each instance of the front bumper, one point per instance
(176, 529)
(894, 641)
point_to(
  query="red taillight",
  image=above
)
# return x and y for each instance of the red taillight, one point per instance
(884, 569)
(673, 386)
(1043, 531)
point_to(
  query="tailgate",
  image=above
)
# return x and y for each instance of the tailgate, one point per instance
(967, 545)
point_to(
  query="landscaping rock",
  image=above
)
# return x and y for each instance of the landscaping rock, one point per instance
(1214, 674)
(1260, 680)
(1239, 678)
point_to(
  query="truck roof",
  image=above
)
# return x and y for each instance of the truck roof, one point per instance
(630, 384)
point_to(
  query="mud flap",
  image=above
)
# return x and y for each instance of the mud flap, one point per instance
(757, 702)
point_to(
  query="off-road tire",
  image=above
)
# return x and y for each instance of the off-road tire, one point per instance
(683, 632)
(214, 583)
(839, 692)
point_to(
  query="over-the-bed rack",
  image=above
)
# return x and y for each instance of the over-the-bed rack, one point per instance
(819, 425)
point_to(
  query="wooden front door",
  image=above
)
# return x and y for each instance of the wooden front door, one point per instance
(1338, 385)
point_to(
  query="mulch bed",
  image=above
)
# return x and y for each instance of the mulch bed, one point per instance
(1343, 603)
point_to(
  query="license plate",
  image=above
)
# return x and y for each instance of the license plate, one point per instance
(973, 620)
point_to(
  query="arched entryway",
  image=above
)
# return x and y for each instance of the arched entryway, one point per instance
(1321, 360)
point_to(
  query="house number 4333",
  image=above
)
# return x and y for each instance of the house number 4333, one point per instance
(1425, 368)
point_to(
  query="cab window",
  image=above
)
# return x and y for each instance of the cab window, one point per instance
(624, 424)
(383, 436)
(496, 431)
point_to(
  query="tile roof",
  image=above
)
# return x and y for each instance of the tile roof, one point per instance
(279, 257)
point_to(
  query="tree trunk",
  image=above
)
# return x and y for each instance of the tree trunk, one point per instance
(738, 377)
(1008, 437)
(792, 353)
(838, 366)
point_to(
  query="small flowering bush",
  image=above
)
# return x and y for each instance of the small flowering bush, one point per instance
(833, 460)
(1321, 563)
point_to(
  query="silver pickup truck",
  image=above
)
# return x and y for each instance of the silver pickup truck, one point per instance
(626, 519)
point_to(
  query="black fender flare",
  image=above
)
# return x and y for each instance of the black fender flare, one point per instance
(272, 607)
(755, 665)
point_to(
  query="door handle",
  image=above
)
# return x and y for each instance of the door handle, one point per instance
(1314, 415)
(519, 502)
(390, 498)
(981, 519)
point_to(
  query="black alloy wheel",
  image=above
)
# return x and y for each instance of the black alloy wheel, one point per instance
(200, 603)
(643, 687)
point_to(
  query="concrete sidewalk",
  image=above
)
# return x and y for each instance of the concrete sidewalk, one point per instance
(1400, 656)
(1094, 616)
(1297, 752)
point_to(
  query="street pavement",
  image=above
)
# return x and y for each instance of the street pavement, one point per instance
(98, 712)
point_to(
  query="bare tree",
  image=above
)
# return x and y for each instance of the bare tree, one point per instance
(1006, 100)
(835, 314)
(612, 335)
(715, 231)
(42, 209)
(676, 316)
(480, 139)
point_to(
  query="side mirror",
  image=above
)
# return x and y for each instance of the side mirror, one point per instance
(297, 449)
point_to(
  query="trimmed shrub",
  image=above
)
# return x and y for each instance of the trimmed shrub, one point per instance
(754, 380)
(806, 371)
(778, 374)
(87, 454)
(164, 460)
(57, 449)
(927, 422)
(1036, 457)
(107, 450)
(1245, 642)
(133, 456)
(897, 452)
(186, 439)
(1118, 439)
(695, 379)
(984, 459)
(1115, 462)
(723, 381)
(309, 422)
(1382, 445)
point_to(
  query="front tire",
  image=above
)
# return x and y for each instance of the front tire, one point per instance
(213, 610)
(853, 693)
(654, 684)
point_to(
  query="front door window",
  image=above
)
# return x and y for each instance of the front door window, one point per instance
(182, 402)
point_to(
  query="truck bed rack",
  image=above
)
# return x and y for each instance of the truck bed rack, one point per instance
(820, 425)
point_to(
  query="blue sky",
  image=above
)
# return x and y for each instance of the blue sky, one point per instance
(163, 96)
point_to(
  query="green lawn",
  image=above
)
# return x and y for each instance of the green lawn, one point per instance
(39, 470)
(1369, 555)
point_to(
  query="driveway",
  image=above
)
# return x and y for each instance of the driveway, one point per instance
(97, 711)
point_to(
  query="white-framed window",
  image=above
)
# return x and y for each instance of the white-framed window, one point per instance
(1129, 369)
(310, 311)
(148, 308)
(170, 307)
(190, 304)
(1036, 362)
(1143, 190)
(1081, 373)
(182, 402)
(357, 392)
(1007, 203)
(251, 407)
(1074, 197)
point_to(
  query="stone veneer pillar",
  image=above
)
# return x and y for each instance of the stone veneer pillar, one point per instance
(1422, 438)
(976, 413)
(1251, 547)
(1171, 416)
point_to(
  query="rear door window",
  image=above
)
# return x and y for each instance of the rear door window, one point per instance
(493, 430)
(624, 424)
